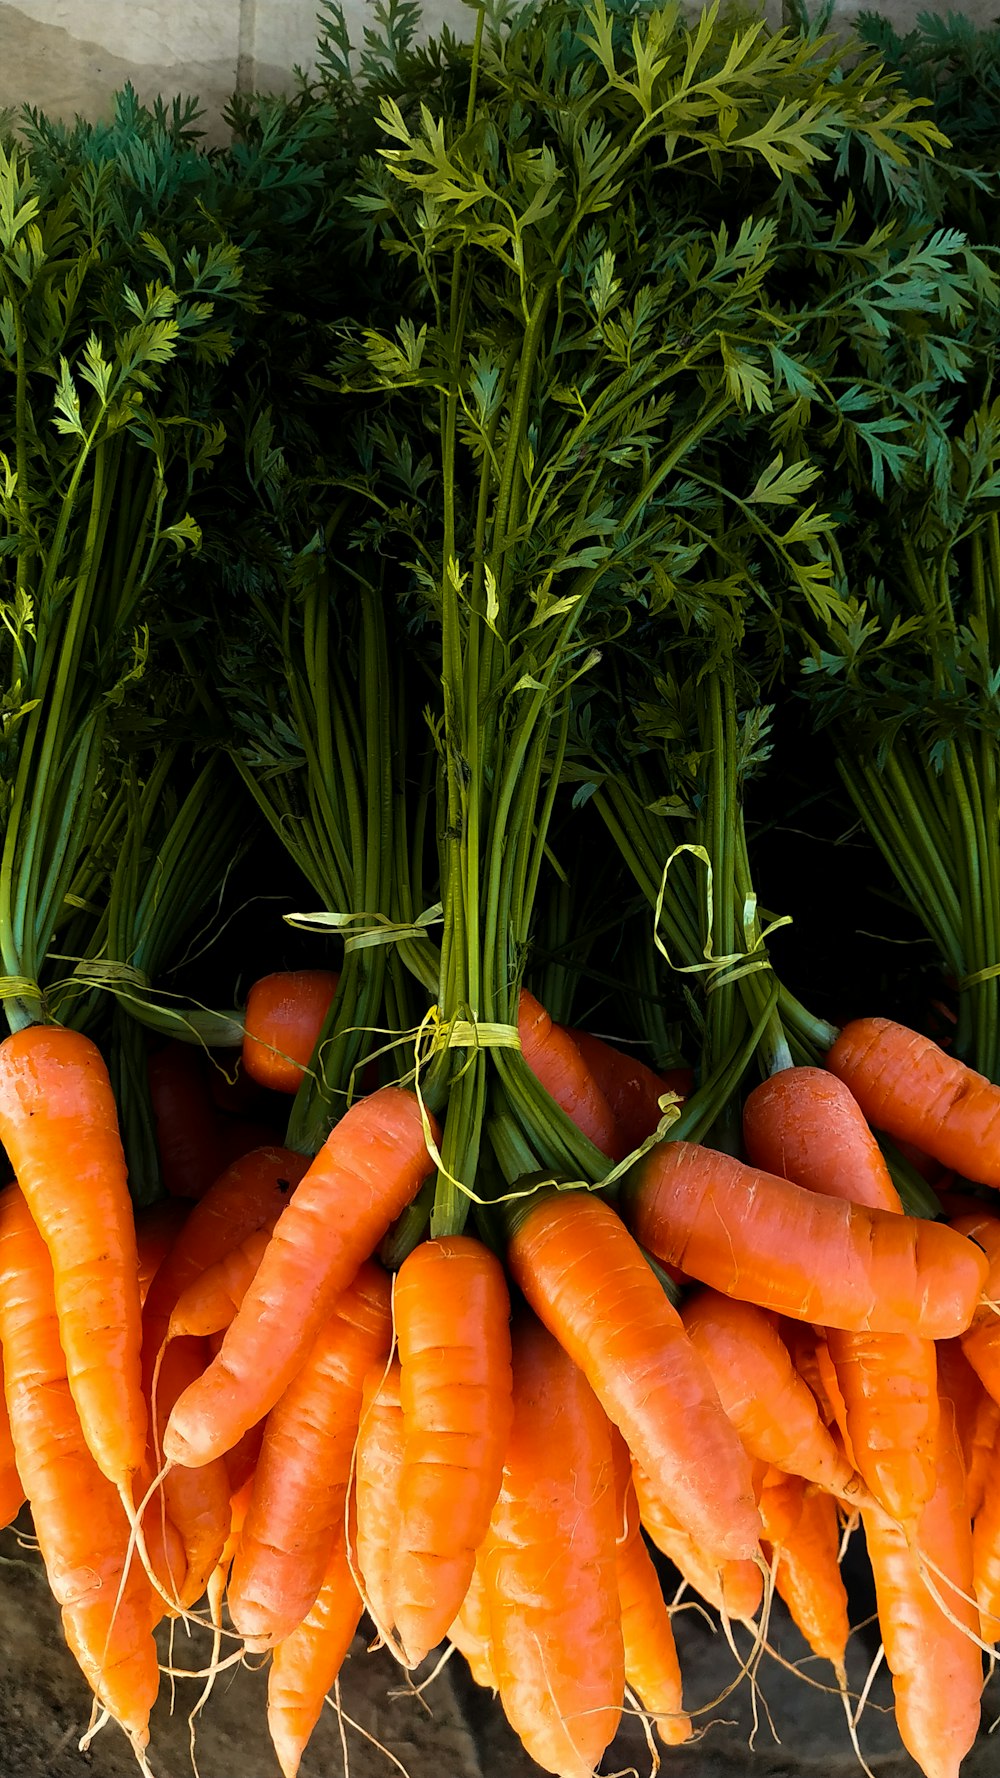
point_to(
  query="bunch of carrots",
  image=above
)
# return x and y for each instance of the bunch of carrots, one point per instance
(258, 1412)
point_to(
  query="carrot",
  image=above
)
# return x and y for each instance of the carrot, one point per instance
(370, 1167)
(909, 1087)
(936, 1669)
(555, 1059)
(761, 1238)
(79, 1517)
(587, 1281)
(802, 1539)
(734, 1588)
(11, 1488)
(804, 1345)
(550, 1568)
(804, 1124)
(986, 1556)
(652, 1670)
(452, 1313)
(285, 1014)
(156, 1229)
(632, 1090)
(378, 1461)
(187, 1124)
(470, 1631)
(211, 1301)
(304, 1468)
(59, 1125)
(196, 1502)
(306, 1664)
(981, 1343)
(763, 1395)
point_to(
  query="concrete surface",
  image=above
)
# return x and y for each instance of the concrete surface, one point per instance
(69, 56)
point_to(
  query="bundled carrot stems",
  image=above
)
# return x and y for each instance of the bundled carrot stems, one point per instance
(463, 543)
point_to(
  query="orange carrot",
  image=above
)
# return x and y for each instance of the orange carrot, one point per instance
(555, 1059)
(802, 1539)
(369, 1169)
(305, 1665)
(378, 1466)
(59, 1125)
(632, 1090)
(79, 1517)
(470, 1631)
(909, 1087)
(210, 1302)
(156, 1230)
(549, 1565)
(981, 1343)
(587, 1281)
(304, 1468)
(936, 1669)
(452, 1313)
(804, 1124)
(652, 1670)
(761, 1238)
(734, 1588)
(284, 1017)
(986, 1555)
(772, 1409)
(11, 1489)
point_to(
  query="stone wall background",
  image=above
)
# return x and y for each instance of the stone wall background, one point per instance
(69, 56)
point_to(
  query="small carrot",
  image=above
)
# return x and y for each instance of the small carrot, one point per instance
(378, 1466)
(210, 1302)
(652, 1670)
(304, 1468)
(758, 1237)
(470, 1631)
(733, 1588)
(284, 1016)
(772, 1409)
(554, 1057)
(79, 1518)
(909, 1087)
(805, 1125)
(936, 1668)
(452, 1314)
(632, 1090)
(369, 1169)
(549, 1565)
(802, 1539)
(305, 1665)
(59, 1125)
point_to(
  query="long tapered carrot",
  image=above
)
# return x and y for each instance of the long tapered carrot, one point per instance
(936, 1667)
(986, 1556)
(79, 1518)
(378, 1466)
(586, 1279)
(916, 1092)
(11, 1487)
(550, 1568)
(370, 1167)
(470, 1629)
(59, 1125)
(305, 1665)
(734, 1588)
(554, 1057)
(304, 1468)
(632, 1090)
(802, 1538)
(772, 1409)
(805, 1124)
(452, 1314)
(652, 1669)
(759, 1237)
(209, 1304)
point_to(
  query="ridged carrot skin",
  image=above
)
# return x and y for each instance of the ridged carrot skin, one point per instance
(59, 1125)
(802, 1537)
(586, 1279)
(209, 1304)
(735, 1588)
(981, 1343)
(652, 1670)
(305, 1665)
(631, 1089)
(936, 1669)
(378, 1466)
(304, 1468)
(284, 1017)
(452, 1316)
(916, 1092)
(549, 1565)
(79, 1518)
(806, 1125)
(756, 1236)
(369, 1169)
(554, 1058)
(470, 1631)
(772, 1409)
